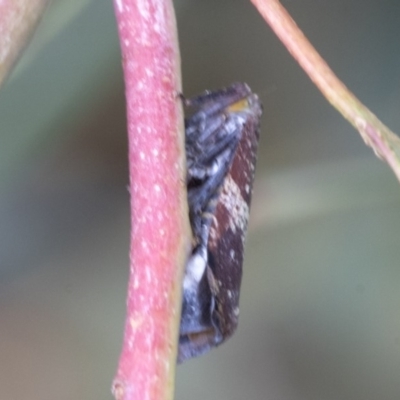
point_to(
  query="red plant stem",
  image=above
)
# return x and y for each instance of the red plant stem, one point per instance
(160, 236)
(384, 142)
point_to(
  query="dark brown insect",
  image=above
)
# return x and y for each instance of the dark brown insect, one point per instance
(221, 147)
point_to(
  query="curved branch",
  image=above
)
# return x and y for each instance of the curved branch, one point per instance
(375, 134)
(18, 20)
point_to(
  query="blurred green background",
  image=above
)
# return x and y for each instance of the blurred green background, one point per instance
(320, 315)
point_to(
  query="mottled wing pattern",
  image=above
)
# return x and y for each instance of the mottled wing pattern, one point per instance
(221, 146)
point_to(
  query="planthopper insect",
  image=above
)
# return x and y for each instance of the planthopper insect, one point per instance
(222, 137)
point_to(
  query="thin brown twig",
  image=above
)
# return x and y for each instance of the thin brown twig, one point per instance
(375, 134)
(18, 20)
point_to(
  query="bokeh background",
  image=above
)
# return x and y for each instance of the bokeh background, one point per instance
(320, 303)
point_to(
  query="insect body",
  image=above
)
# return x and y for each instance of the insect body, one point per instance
(221, 145)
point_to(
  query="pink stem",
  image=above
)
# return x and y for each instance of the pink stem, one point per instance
(159, 216)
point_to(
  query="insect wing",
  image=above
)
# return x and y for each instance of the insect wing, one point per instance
(228, 230)
(221, 146)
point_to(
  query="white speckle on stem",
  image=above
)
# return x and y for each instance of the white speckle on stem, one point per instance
(120, 5)
(143, 8)
(148, 275)
(149, 72)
